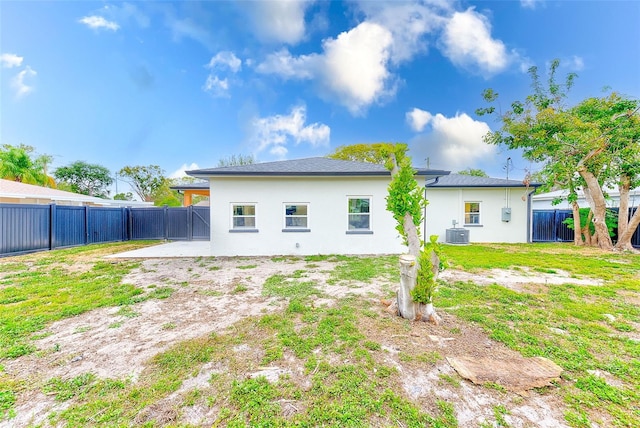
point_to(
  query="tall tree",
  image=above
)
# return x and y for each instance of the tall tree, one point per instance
(473, 172)
(583, 147)
(372, 153)
(144, 180)
(18, 163)
(85, 178)
(237, 160)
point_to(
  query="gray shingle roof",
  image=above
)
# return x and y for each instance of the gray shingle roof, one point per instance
(318, 166)
(460, 180)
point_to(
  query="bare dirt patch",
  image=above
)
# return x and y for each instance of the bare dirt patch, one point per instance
(204, 296)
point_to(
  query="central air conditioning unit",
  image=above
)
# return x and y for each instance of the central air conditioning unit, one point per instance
(457, 236)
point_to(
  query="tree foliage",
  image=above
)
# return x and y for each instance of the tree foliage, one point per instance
(19, 163)
(372, 153)
(237, 160)
(589, 147)
(85, 178)
(473, 172)
(146, 181)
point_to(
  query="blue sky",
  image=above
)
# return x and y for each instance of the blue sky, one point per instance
(183, 84)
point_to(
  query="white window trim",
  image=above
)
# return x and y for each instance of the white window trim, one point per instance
(360, 231)
(464, 214)
(286, 228)
(239, 229)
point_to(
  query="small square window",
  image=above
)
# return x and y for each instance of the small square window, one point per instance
(472, 213)
(243, 216)
(359, 214)
(296, 216)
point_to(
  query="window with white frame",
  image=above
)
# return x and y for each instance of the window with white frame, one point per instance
(296, 216)
(359, 213)
(243, 216)
(472, 213)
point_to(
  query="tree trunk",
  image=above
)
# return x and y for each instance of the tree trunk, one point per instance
(408, 268)
(577, 226)
(624, 240)
(595, 198)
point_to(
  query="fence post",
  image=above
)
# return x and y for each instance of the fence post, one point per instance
(52, 226)
(129, 224)
(190, 223)
(86, 225)
(166, 222)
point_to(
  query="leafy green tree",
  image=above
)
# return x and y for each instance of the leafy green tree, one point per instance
(85, 178)
(372, 153)
(18, 163)
(473, 172)
(237, 160)
(146, 181)
(128, 196)
(589, 146)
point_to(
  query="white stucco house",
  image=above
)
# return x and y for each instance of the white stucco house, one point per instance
(302, 207)
(479, 209)
(544, 201)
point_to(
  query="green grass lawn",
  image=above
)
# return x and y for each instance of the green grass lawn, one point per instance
(587, 330)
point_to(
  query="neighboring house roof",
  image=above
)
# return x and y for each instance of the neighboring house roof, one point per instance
(612, 193)
(318, 166)
(16, 190)
(461, 180)
(198, 185)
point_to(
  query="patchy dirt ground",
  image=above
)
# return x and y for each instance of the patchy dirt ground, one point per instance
(211, 296)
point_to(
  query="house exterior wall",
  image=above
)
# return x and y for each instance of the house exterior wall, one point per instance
(448, 204)
(327, 199)
(544, 201)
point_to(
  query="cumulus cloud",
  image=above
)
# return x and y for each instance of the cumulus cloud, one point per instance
(467, 42)
(98, 22)
(274, 133)
(225, 59)
(452, 143)
(573, 63)
(9, 60)
(21, 82)
(418, 119)
(279, 21)
(216, 86)
(530, 4)
(352, 68)
(181, 172)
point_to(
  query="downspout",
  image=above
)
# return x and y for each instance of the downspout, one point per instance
(424, 214)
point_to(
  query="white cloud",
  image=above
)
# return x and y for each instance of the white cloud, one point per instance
(530, 4)
(274, 133)
(180, 172)
(21, 82)
(97, 22)
(216, 86)
(9, 60)
(287, 66)
(280, 21)
(467, 42)
(574, 63)
(418, 119)
(409, 23)
(454, 143)
(352, 69)
(225, 59)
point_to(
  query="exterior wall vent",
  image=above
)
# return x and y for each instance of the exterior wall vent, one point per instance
(457, 236)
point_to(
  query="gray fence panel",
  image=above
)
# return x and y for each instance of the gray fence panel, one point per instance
(24, 228)
(69, 226)
(106, 225)
(200, 223)
(544, 227)
(178, 223)
(563, 232)
(147, 223)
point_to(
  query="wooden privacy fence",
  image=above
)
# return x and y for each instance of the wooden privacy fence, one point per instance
(28, 228)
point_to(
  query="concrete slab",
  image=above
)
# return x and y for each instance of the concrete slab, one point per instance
(168, 250)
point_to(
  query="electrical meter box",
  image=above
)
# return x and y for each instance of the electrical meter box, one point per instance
(506, 214)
